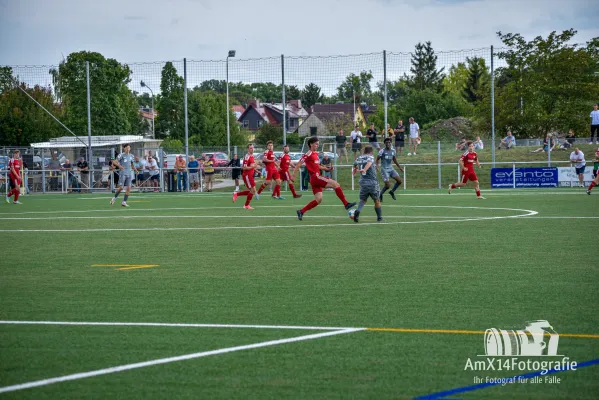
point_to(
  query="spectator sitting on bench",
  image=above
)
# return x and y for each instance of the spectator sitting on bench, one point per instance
(548, 142)
(478, 144)
(569, 140)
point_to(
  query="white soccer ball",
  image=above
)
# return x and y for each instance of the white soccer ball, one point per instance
(351, 213)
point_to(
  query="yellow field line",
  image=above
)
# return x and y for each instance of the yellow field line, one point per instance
(126, 265)
(465, 332)
(137, 267)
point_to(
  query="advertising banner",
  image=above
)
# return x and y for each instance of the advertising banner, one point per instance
(524, 177)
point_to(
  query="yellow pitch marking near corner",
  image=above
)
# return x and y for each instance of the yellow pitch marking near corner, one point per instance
(125, 267)
(465, 332)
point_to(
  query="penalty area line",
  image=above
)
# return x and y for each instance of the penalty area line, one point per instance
(127, 367)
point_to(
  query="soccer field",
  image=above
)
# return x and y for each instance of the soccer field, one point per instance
(190, 295)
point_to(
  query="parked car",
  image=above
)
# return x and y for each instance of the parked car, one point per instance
(219, 159)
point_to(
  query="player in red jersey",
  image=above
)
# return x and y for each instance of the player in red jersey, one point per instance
(247, 168)
(317, 181)
(270, 162)
(284, 163)
(14, 165)
(467, 163)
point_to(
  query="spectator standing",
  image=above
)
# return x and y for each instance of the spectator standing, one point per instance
(414, 136)
(83, 169)
(139, 167)
(595, 124)
(181, 168)
(371, 135)
(328, 167)
(577, 157)
(356, 137)
(114, 174)
(400, 131)
(154, 171)
(209, 173)
(508, 142)
(194, 174)
(341, 141)
(235, 165)
(72, 182)
(54, 166)
(25, 176)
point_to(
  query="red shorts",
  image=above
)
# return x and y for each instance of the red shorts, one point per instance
(318, 183)
(285, 175)
(272, 174)
(248, 180)
(469, 175)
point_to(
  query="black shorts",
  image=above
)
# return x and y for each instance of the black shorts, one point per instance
(154, 177)
(356, 146)
(580, 170)
(235, 174)
(400, 143)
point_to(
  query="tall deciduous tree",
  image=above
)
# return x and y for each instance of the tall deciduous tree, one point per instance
(23, 122)
(170, 121)
(425, 74)
(358, 85)
(114, 110)
(547, 85)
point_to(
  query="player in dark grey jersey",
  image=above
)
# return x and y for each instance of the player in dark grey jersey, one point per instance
(369, 183)
(388, 158)
(125, 162)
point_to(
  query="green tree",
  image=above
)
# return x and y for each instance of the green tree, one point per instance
(269, 132)
(6, 79)
(455, 80)
(477, 85)
(170, 121)
(208, 120)
(547, 85)
(292, 92)
(311, 95)
(358, 85)
(23, 122)
(425, 74)
(113, 107)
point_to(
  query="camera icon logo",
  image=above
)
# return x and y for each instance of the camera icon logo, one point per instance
(538, 338)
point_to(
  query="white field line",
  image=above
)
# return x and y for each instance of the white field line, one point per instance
(159, 361)
(219, 228)
(121, 210)
(227, 216)
(179, 325)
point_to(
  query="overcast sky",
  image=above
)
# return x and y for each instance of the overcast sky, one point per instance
(40, 32)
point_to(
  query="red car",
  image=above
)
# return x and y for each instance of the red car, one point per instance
(219, 159)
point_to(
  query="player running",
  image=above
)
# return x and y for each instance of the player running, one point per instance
(269, 160)
(248, 167)
(124, 162)
(387, 154)
(14, 166)
(467, 164)
(369, 183)
(284, 163)
(317, 181)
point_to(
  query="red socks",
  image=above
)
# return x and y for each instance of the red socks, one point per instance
(261, 188)
(309, 206)
(339, 193)
(247, 201)
(292, 188)
(15, 192)
(478, 193)
(277, 191)
(592, 185)
(244, 193)
(453, 186)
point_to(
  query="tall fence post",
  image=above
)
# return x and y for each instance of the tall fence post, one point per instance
(186, 124)
(439, 161)
(283, 106)
(43, 157)
(405, 168)
(514, 175)
(90, 161)
(492, 108)
(385, 92)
